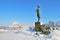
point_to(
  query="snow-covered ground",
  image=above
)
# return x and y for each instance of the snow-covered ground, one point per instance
(28, 34)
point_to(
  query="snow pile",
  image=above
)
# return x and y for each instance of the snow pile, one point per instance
(55, 35)
(29, 34)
